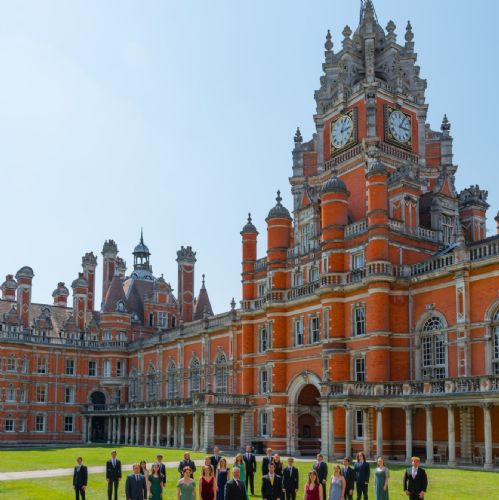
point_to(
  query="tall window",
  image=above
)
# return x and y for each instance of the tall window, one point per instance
(162, 319)
(194, 376)
(359, 320)
(117, 395)
(358, 260)
(221, 373)
(263, 339)
(325, 322)
(22, 394)
(262, 289)
(265, 380)
(69, 395)
(107, 368)
(151, 383)
(22, 425)
(359, 369)
(120, 368)
(495, 347)
(41, 394)
(68, 423)
(171, 387)
(10, 424)
(265, 423)
(298, 331)
(133, 385)
(313, 274)
(70, 366)
(10, 394)
(92, 368)
(11, 363)
(298, 279)
(41, 365)
(24, 364)
(314, 329)
(359, 424)
(447, 228)
(433, 350)
(306, 235)
(40, 423)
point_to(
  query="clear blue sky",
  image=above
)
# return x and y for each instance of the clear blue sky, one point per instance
(179, 117)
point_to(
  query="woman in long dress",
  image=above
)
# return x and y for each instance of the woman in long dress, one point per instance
(381, 476)
(313, 490)
(239, 463)
(207, 485)
(223, 475)
(186, 486)
(155, 483)
(338, 485)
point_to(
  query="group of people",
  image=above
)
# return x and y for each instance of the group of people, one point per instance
(218, 481)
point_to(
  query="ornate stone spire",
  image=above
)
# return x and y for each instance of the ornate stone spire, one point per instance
(298, 136)
(329, 43)
(445, 127)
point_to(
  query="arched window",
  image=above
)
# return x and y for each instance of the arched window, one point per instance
(221, 373)
(495, 343)
(10, 395)
(433, 349)
(133, 385)
(151, 383)
(194, 376)
(172, 388)
(11, 363)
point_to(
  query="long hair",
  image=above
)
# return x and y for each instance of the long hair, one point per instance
(310, 474)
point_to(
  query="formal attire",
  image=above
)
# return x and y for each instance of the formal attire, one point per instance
(113, 474)
(415, 481)
(250, 462)
(214, 459)
(162, 469)
(242, 474)
(222, 476)
(336, 489)
(186, 463)
(155, 488)
(80, 478)
(207, 488)
(349, 475)
(321, 470)
(381, 475)
(290, 482)
(312, 491)
(362, 473)
(234, 490)
(135, 487)
(187, 491)
(272, 487)
(267, 459)
(278, 468)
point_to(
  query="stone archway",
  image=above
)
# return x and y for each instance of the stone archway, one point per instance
(98, 428)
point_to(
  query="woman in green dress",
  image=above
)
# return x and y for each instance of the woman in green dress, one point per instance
(155, 483)
(239, 463)
(381, 475)
(186, 487)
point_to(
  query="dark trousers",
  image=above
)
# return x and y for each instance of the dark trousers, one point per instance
(347, 496)
(79, 492)
(414, 496)
(250, 478)
(110, 489)
(291, 495)
(362, 489)
(324, 496)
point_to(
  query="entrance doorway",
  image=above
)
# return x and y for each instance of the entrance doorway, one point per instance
(309, 415)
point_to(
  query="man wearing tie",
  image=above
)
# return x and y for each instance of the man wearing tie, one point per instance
(290, 480)
(135, 486)
(215, 458)
(362, 473)
(80, 478)
(113, 476)
(320, 468)
(186, 462)
(349, 475)
(272, 485)
(250, 463)
(415, 480)
(268, 459)
(234, 488)
(162, 468)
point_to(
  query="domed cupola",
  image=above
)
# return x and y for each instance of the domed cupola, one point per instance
(249, 227)
(334, 185)
(278, 211)
(141, 267)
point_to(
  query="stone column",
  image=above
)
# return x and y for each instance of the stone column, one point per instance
(137, 433)
(132, 431)
(348, 431)
(168, 430)
(182, 431)
(209, 429)
(108, 420)
(195, 432)
(487, 436)
(118, 430)
(325, 431)
(379, 431)
(175, 431)
(146, 430)
(232, 431)
(429, 435)
(451, 431)
(201, 430)
(331, 433)
(292, 424)
(126, 429)
(89, 430)
(115, 430)
(158, 430)
(151, 430)
(367, 432)
(408, 435)
(84, 429)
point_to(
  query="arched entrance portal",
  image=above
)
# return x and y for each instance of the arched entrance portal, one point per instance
(309, 419)
(98, 430)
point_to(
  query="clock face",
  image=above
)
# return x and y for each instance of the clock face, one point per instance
(341, 132)
(399, 125)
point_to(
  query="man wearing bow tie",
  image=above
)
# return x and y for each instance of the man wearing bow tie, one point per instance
(272, 485)
(290, 480)
(250, 463)
(349, 475)
(135, 486)
(113, 476)
(415, 480)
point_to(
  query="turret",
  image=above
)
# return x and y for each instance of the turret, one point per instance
(89, 263)
(9, 287)
(186, 258)
(109, 253)
(249, 235)
(60, 295)
(80, 301)
(472, 212)
(203, 304)
(24, 279)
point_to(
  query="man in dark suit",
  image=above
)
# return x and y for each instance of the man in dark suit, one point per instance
(250, 463)
(186, 462)
(349, 475)
(415, 480)
(113, 476)
(234, 488)
(215, 458)
(321, 468)
(135, 486)
(80, 478)
(272, 485)
(290, 480)
(162, 467)
(267, 459)
(362, 473)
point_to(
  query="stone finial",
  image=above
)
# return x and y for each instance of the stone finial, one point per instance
(409, 35)
(278, 198)
(347, 31)
(445, 124)
(329, 43)
(390, 27)
(203, 283)
(298, 136)
(232, 304)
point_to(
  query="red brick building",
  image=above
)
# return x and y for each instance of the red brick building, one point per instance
(372, 323)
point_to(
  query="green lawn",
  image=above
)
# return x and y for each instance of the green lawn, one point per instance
(445, 484)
